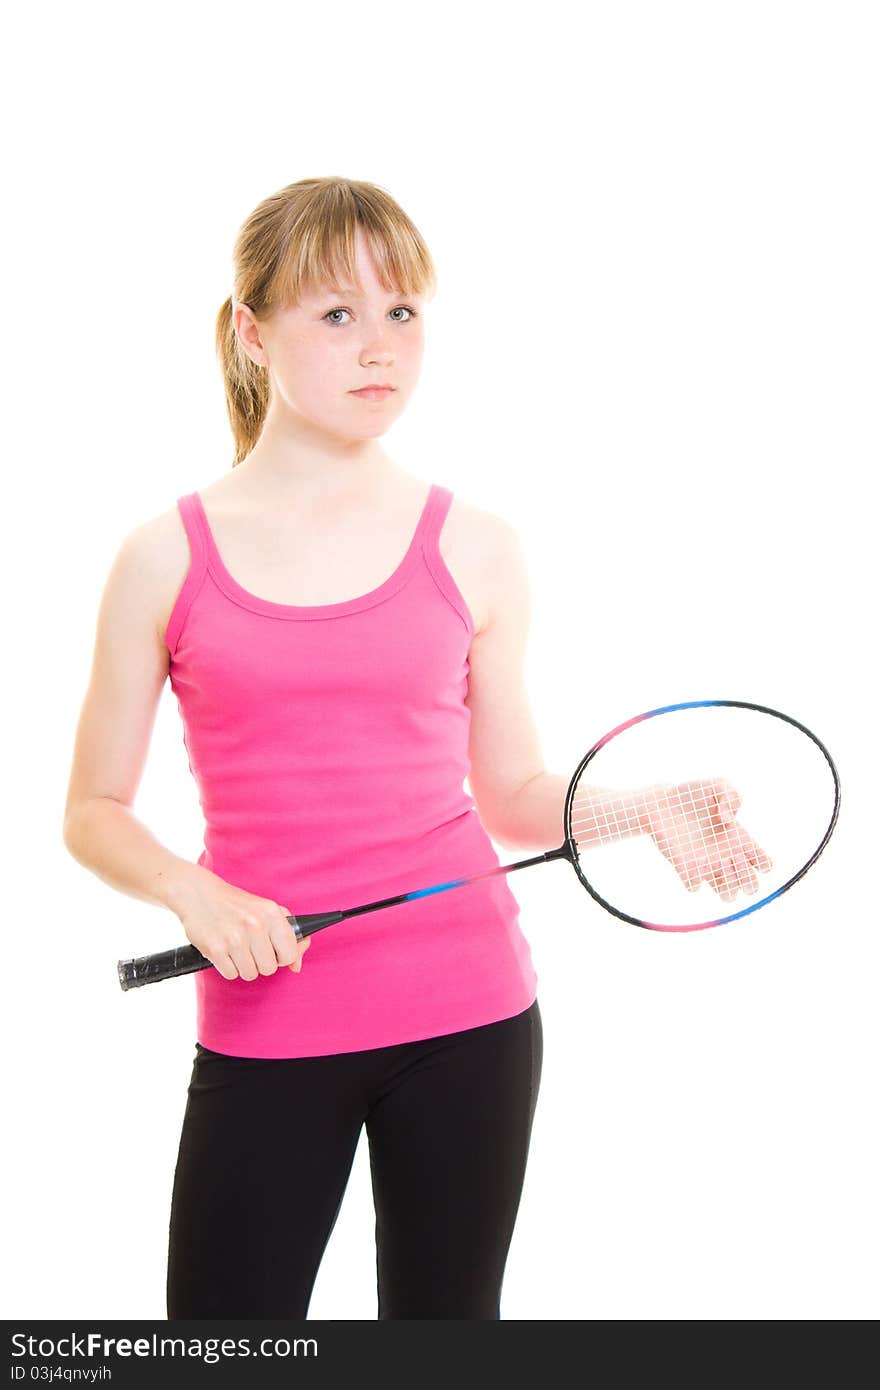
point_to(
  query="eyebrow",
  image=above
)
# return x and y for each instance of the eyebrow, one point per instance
(353, 293)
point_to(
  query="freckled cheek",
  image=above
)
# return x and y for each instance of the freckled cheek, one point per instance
(314, 373)
(407, 362)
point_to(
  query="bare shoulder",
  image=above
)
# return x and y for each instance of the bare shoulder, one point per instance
(482, 526)
(157, 555)
(485, 549)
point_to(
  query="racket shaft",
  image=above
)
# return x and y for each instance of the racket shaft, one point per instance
(305, 925)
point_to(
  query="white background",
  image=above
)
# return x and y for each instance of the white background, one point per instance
(654, 351)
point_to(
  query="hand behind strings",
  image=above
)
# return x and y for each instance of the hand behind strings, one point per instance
(694, 826)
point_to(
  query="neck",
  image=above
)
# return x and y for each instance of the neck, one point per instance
(280, 470)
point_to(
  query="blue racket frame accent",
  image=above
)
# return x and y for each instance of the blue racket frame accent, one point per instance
(440, 888)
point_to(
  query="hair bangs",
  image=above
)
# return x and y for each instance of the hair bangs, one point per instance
(321, 248)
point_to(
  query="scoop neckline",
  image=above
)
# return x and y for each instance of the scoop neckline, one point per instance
(239, 594)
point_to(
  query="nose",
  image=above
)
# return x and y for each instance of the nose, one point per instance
(377, 351)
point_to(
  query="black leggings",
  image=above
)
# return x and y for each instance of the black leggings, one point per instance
(266, 1151)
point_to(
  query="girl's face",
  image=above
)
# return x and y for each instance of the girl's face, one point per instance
(335, 342)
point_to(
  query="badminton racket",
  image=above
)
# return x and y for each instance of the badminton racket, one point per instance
(652, 824)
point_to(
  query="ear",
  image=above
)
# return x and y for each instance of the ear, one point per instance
(247, 330)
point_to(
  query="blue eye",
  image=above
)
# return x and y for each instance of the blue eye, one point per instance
(412, 314)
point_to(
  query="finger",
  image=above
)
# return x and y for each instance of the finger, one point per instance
(248, 945)
(243, 960)
(289, 950)
(746, 877)
(301, 948)
(723, 885)
(759, 857)
(731, 879)
(283, 939)
(262, 948)
(744, 845)
(225, 964)
(689, 873)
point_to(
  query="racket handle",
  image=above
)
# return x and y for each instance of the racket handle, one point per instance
(183, 960)
(146, 970)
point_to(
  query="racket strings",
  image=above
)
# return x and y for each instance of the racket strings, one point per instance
(602, 814)
(693, 824)
(599, 813)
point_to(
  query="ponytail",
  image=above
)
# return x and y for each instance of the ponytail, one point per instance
(246, 385)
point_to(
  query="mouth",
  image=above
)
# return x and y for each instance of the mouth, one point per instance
(373, 392)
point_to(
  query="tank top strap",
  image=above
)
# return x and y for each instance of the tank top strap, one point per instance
(436, 512)
(194, 525)
(197, 532)
(433, 517)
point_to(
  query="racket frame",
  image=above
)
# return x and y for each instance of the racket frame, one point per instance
(571, 844)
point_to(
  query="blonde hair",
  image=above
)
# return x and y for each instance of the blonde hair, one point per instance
(293, 242)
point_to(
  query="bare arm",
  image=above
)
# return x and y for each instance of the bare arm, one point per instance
(599, 814)
(129, 669)
(106, 837)
(504, 746)
(520, 803)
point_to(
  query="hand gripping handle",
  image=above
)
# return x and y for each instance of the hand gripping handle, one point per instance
(183, 960)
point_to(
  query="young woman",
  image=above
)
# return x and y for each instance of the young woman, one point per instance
(345, 643)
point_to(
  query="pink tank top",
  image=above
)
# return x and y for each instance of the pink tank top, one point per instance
(329, 745)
